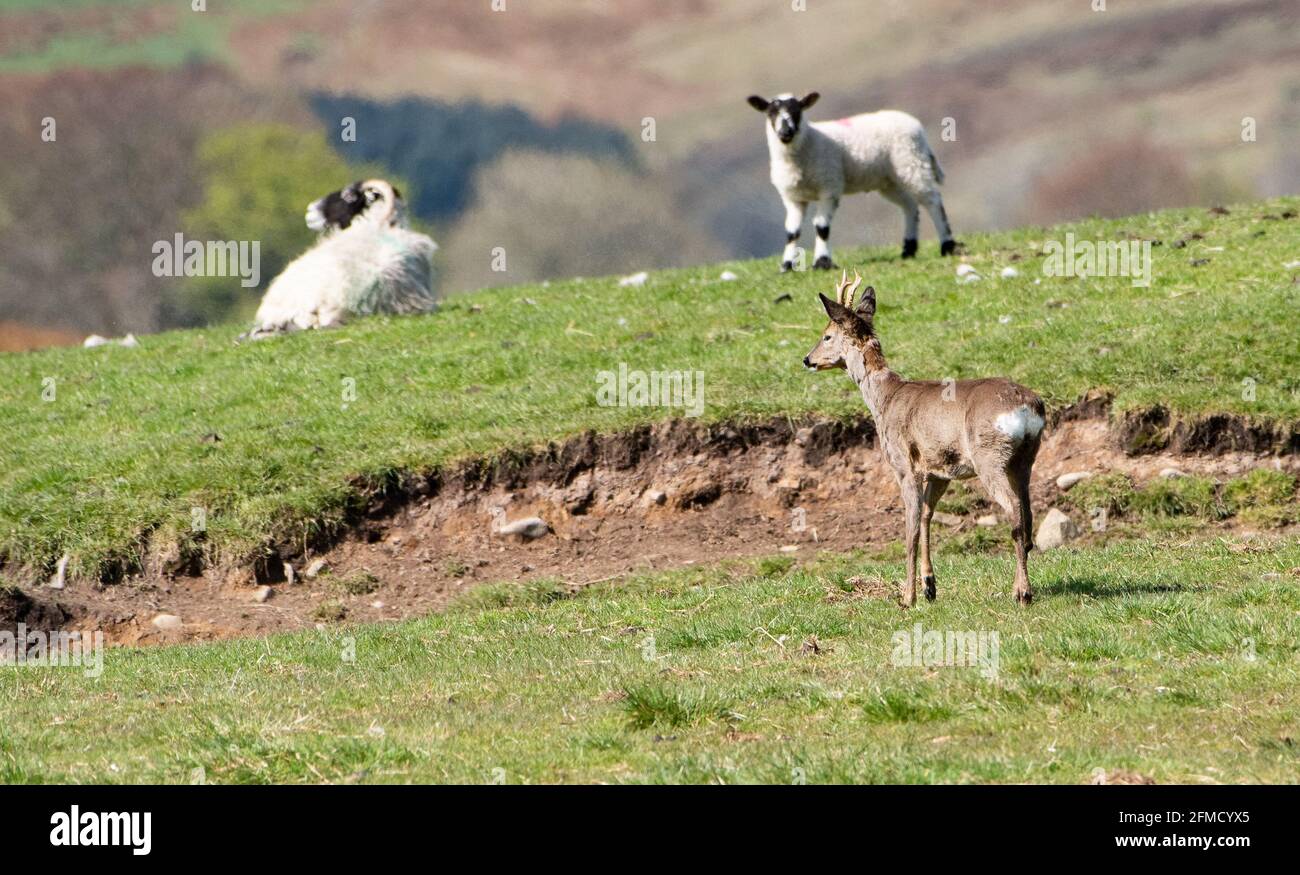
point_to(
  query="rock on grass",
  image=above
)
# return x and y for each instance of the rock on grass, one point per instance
(1055, 530)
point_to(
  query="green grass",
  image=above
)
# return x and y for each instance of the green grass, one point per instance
(1177, 660)
(353, 583)
(275, 440)
(1259, 488)
(1263, 497)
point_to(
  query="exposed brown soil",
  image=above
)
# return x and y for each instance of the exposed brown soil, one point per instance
(655, 498)
(17, 337)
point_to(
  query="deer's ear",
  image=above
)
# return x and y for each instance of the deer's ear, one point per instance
(867, 305)
(840, 315)
(758, 103)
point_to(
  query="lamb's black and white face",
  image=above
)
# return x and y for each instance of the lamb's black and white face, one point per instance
(785, 113)
(360, 200)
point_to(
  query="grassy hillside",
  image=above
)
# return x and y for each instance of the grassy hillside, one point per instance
(1167, 660)
(106, 450)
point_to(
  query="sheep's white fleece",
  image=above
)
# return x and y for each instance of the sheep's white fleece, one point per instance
(867, 152)
(365, 269)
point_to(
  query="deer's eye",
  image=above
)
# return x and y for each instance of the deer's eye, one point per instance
(827, 337)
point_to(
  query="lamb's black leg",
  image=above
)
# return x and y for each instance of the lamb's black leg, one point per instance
(826, 208)
(787, 264)
(934, 204)
(794, 212)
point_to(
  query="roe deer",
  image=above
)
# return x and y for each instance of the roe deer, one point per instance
(933, 433)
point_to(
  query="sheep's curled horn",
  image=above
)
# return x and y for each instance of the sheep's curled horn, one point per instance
(847, 289)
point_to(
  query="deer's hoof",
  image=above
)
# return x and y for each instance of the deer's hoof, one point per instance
(948, 247)
(823, 263)
(1025, 597)
(931, 592)
(909, 248)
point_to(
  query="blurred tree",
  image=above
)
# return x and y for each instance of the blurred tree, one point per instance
(544, 216)
(256, 183)
(81, 212)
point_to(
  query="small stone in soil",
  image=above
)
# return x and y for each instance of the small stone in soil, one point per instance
(1065, 481)
(528, 528)
(167, 623)
(61, 573)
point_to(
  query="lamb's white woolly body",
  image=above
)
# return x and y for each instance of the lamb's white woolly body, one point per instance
(375, 265)
(874, 151)
(884, 151)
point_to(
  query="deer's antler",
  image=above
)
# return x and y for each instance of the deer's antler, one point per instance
(847, 288)
(842, 287)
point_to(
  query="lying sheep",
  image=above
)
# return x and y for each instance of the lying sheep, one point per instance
(367, 261)
(817, 163)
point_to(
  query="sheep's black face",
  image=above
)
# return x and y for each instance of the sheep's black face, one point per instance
(785, 116)
(784, 113)
(339, 209)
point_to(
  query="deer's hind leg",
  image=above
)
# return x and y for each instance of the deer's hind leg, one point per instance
(934, 490)
(1020, 483)
(1013, 497)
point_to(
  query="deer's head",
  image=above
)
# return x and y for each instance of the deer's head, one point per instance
(849, 326)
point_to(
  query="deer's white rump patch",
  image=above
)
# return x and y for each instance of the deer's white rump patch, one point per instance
(1019, 423)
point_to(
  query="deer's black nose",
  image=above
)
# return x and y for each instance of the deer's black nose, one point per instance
(806, 363)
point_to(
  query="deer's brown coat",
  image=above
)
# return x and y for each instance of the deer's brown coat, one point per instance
(935, 432)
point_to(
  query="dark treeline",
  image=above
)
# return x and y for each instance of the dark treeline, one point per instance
(441, 145)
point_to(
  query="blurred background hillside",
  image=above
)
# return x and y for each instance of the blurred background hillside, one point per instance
(586, 136)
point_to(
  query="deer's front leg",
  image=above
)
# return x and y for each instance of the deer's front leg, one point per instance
(826, 208)
(934, 490)
(794, 212)
(913, 504)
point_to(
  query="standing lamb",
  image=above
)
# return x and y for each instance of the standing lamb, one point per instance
(367, 261)
(817, 163)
